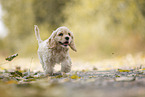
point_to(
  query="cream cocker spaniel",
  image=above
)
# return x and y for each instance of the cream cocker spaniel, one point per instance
(54, 50)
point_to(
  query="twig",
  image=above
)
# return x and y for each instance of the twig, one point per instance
(4, 63)
(30, 66)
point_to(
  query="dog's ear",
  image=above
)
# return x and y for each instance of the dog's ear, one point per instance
(72, 46)
(51, 40)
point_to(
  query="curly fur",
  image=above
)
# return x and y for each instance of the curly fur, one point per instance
(54, 50)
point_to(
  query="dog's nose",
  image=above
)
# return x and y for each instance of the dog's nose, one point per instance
(67, 38)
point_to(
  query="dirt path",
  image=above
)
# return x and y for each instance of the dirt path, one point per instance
(113, 83)
(120, 77)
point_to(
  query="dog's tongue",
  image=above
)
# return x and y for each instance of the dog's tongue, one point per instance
(66, 43)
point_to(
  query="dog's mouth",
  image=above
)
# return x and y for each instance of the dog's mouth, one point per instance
(65, 43)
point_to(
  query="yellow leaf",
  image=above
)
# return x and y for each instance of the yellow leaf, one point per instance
(120, 70)
(83, 70)
(143, 69)
(12, 82)
(74, 77)
(2, 68)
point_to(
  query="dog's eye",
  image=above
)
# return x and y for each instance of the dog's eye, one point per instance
(69, 34)
(61, 34)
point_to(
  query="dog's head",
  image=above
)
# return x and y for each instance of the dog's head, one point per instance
(63, 37)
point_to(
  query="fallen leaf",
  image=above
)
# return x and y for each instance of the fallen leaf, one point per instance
(74, 76)
(11, 82)
(121, 70)
(10, 58)
(2, 68)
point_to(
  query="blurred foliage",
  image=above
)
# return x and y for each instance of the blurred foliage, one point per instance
(21, 15)
(49, 12)
(106, 28)
(19, 20)
(101, 28)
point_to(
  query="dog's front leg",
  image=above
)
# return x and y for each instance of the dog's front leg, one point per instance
(48, 67)
(66, 66)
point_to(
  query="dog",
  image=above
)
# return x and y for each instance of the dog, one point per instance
(55, 49)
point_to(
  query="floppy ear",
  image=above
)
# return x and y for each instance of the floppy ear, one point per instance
(72, 46)
(51, 41)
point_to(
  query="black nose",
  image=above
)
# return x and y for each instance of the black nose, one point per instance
(67, 38)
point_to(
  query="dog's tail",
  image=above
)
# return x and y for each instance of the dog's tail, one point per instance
(36, 29)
